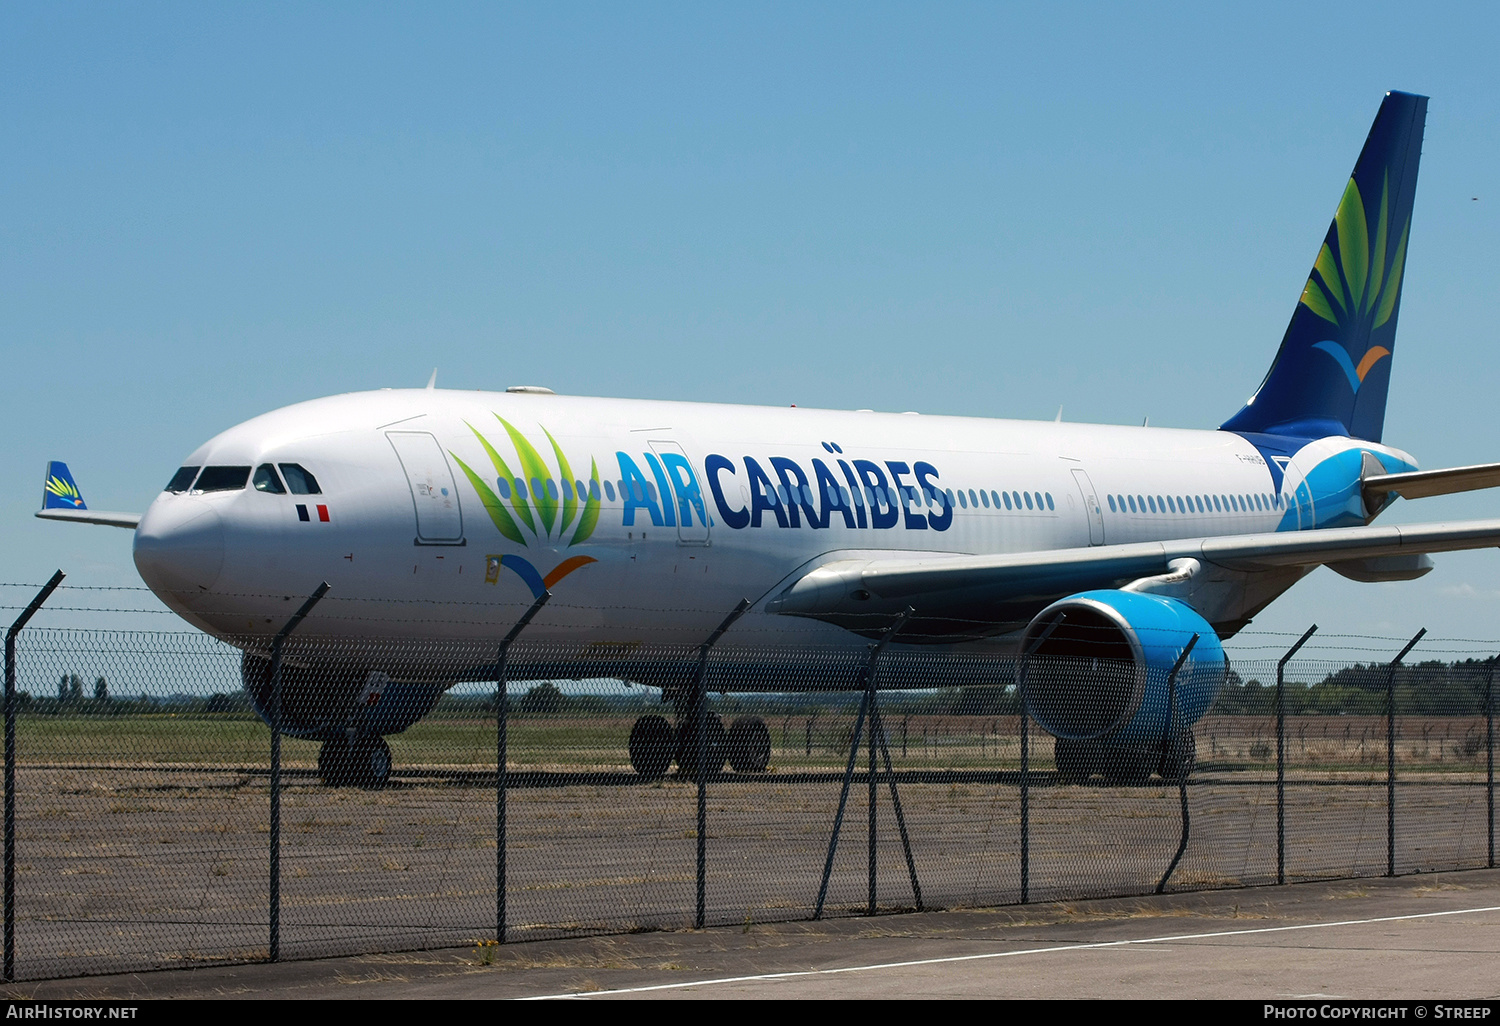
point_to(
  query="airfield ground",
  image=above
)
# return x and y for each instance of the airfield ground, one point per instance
(126, 867)
(1431, 938)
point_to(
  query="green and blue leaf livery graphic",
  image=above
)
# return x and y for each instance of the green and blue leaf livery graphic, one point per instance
(1356, 288)
(535, 502)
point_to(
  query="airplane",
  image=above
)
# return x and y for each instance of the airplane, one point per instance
(1097, 555)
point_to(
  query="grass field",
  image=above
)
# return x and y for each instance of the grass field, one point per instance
(1350, 744)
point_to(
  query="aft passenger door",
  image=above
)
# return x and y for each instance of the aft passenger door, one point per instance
(439, 518)
(691, 511)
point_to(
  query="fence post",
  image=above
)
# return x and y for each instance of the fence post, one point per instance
(10, 769)
(1025, 804)
(1390, 754)
(1489, 757)
(700, 757)
(870, 746)
(1167, 740)
(274, 941)
(1281, 753)
(878, 728)
(502, 771)
(866, 679)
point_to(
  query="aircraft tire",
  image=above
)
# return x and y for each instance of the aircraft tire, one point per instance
(333, 761)
(652, 743)
(1072, 759)
(370, 762)
(1127, 767)
(712, 751)
(749, 745)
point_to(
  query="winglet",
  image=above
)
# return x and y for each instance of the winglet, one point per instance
(59, 491)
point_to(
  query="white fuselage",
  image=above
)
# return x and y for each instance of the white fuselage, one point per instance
(719, 503)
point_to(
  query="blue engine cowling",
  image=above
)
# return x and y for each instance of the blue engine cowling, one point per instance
(1101, 665)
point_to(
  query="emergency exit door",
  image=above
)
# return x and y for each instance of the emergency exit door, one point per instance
(433, 494)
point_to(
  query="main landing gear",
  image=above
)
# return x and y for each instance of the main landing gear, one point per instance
(1077, 761)
(360, 761)
(655, 744)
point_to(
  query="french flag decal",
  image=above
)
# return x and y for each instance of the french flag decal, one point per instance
(302, 512)
(304, 516)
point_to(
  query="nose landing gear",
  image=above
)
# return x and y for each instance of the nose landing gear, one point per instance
(362, 761)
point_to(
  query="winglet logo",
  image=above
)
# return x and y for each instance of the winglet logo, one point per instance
(59, 491)
(64, 490)
(537, 500)
(1356, 289)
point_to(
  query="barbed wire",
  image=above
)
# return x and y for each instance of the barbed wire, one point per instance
(95, 609)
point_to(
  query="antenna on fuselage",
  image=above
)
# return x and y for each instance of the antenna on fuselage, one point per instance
(1058, 419)
(432, 381)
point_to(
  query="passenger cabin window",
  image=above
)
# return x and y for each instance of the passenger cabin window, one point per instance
(299, 481)
(265, 480)
(222, 479)
(182, 480)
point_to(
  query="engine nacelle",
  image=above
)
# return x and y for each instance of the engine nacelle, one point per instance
(1102, 670)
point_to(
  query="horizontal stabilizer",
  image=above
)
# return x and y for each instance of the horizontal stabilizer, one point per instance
(92, 516)
(1423, 484)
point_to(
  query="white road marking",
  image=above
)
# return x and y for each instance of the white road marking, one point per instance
(1166, 939)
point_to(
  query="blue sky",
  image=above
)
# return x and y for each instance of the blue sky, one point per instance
(988, 210)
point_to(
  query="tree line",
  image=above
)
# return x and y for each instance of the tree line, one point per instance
(1432, 688)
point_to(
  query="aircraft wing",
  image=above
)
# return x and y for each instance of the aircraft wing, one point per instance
(92, 516)
(847, 590)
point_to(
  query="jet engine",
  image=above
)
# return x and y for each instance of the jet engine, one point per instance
(1096, 676)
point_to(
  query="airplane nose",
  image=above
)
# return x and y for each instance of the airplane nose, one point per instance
(179, 545)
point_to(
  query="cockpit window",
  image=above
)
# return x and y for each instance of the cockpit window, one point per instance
(222, 479)
(265, 480)
(299, 480)
(182, 480)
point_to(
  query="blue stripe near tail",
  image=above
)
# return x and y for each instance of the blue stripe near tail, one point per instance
(1332, 372)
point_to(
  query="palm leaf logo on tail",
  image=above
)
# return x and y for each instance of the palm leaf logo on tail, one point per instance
(1356, 288)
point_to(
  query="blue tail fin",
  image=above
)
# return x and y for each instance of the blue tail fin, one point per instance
(59, 491)
(1332, 372)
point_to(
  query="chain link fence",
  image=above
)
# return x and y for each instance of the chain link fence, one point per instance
(151, 822)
